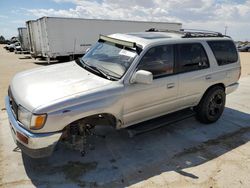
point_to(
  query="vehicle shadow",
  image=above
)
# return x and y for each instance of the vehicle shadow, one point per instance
(115, 160)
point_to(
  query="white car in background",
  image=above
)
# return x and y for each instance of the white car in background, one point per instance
(14, 46)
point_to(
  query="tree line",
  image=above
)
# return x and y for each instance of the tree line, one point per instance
(2, 40)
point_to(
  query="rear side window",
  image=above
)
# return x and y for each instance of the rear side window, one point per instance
(224, 52)
(191, 57)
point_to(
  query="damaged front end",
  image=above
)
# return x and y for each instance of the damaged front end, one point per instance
(75, 135)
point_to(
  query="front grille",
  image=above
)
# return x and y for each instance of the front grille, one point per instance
(13, 104)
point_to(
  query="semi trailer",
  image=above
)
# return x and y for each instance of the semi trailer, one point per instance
(54, 37)
(24, 39)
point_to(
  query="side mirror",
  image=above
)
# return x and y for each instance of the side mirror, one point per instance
(143, 77)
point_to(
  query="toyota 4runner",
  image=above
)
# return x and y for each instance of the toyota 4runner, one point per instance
(124, 79)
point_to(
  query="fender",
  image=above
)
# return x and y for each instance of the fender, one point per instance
(62, 113)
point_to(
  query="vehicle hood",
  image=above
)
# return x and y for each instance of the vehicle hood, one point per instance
(42, 86)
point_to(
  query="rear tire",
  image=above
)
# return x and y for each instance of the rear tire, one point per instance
(211, 105)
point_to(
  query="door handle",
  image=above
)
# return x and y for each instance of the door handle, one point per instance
(208, 77)
(171, 85)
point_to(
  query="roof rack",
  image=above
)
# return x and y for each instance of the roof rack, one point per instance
(193, 33)
(163, 30)
(190, 33)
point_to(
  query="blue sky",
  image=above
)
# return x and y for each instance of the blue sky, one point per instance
(198, 14)
(13, 13)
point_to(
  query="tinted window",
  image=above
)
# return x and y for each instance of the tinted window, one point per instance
(191, 57)
(158, 60)
(224, 51)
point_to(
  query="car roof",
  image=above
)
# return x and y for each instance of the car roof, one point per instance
(148, 38)
(145, 38)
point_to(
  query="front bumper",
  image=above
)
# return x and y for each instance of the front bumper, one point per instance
(39, 144)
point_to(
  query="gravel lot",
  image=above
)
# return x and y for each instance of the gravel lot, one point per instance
(184, 154)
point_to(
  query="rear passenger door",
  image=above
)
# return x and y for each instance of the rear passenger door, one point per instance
(192, 66)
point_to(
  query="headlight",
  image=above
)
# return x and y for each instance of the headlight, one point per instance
(29, 120)
(24, 116)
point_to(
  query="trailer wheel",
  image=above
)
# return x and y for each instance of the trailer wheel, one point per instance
(71, 58)
(48, 60)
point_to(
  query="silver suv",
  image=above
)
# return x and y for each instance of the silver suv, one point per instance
(123, 80)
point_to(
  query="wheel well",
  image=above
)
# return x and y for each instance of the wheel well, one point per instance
(215, 85)
(219, 84)
(78, 130)
(98, 119)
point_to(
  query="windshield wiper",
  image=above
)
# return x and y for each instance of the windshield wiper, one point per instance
(105, 73)
(98, 70)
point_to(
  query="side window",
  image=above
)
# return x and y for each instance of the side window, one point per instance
(158, 60)
(191, 57)
(224, 52)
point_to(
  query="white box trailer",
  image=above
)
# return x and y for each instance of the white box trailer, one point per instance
(73, 36)
(34, 38)
(23, 38)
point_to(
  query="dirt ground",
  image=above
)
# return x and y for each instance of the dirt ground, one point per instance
(245, 63)
(184, 154)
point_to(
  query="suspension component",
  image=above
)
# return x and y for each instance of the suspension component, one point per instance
(76, 135)
(74, 131)
(85, 131)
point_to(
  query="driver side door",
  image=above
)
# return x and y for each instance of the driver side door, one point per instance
(146, 101)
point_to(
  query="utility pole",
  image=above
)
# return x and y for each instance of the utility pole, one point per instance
(226, 27)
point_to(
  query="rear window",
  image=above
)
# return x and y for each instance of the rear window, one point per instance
(224, 52)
